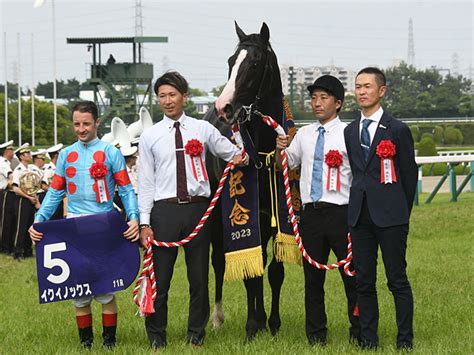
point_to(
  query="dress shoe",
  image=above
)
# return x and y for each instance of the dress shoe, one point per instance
(195, 341)
(354, 339)
(158, 343)
(368, 345)
(405, 346)
(315, 340)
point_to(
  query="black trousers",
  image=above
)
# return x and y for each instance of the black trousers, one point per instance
(323, 230)
(3, 200)
(8, 221)
(366, 238)
(173, 222)
(26, 216)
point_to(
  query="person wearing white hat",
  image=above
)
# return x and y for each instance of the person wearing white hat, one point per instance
(7, 198)
(26, 203)
(48, 174)
(38, 165)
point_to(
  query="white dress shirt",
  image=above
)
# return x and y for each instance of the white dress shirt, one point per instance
(301, 153)
(376, 116)
(157, 173)
(5, 171)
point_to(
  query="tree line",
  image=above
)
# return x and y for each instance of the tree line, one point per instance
(411, 93)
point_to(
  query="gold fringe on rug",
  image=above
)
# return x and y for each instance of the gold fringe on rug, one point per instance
(243, 264)
(286, 250)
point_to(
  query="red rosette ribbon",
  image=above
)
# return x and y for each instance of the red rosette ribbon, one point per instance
(98, 172)
(333, 159)
(194, 149)
(385, 151)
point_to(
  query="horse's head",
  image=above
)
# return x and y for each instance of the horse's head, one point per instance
(252, 70)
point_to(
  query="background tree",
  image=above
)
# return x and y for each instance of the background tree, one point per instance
(218, 90)
(44, 133)
(426, 93)
(415, 132)
(453, 135)
(196, 92)
(12, 90)
(427, 147)
(438, 134)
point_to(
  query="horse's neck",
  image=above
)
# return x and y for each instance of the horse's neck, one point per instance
(212, 118)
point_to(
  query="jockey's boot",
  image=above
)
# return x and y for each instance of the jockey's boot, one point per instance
(109, 323)
(84, 324)
(108, 335)
(87, 337)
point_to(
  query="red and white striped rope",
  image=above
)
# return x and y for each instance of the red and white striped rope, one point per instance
(344, 262)
(148, 266)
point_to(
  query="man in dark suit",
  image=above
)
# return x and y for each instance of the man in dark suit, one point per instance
(381, 156)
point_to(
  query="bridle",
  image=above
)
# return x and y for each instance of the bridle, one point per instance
(250, 110)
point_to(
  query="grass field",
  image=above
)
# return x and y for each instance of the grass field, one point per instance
(439, 267)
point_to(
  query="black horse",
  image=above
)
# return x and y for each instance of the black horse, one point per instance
(254, 85)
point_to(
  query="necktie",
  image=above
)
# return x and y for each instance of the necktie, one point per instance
(317, 178)
(365, 137)
(181, 187)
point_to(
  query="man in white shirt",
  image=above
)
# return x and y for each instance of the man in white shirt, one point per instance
(173, 194)
(325, 180)
(27, 203)
(7, 198)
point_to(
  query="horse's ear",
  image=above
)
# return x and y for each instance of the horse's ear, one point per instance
(241, 34)
(265, 33)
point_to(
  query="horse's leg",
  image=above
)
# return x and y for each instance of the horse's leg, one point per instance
(266, 232)
(251, 326)
(218, 264)
(276, 274)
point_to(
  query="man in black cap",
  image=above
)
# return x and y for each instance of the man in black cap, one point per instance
(325, 180)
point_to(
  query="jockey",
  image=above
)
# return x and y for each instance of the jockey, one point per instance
(87, 172)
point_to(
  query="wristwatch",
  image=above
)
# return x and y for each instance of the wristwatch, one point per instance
(143, 226)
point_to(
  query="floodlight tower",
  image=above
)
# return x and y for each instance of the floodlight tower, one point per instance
(139, 24)
(411, 44)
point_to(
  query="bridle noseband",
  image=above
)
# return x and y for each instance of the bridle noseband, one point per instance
(250, 110)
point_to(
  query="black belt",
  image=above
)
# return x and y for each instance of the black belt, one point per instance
(190, 199)
(319, 205)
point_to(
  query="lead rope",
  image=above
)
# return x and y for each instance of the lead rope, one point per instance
(146, 282)
(343, 262)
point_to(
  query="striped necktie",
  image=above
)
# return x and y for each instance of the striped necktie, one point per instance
(181, 186)
(365, 137)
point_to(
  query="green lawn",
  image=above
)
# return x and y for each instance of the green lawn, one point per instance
(439, 268)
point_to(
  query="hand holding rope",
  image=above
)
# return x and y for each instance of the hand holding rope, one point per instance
(344, 262)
